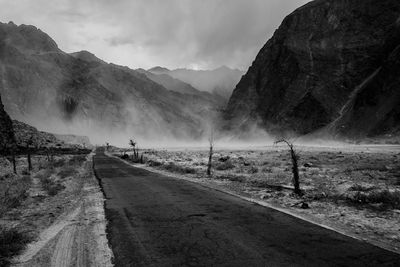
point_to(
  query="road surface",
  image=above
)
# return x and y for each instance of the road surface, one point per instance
(156, 220)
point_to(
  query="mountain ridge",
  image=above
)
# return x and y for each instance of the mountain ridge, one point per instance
(80, 94)
(219, 81)
(306, 73)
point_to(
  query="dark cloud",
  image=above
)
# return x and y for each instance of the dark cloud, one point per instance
(144, 33)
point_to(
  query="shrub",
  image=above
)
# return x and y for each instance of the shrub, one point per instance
(223, 166)
(12, 192)
(266, 170)
(154, 163)
(358, 187)
(67, 171)
(172, 167)
(12, 242)
(77, 160)
(52, 187)
(125, 156)
(386, 197)
(233, 178)
(253, 170)
(58, 163)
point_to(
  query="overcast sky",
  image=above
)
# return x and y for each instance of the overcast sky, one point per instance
(202, 34)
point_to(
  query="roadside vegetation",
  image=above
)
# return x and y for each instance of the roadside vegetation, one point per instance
(32, 196)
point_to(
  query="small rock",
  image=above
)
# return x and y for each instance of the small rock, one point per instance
(304, 205)
(308, 165)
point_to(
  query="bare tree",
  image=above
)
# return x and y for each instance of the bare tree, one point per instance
(211, 142)
(12, 149)
(29, 143)
(295, 168)
(107, 146)
(133, 144)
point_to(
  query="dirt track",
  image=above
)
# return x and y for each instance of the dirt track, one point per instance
(77, 237)
(156, 220)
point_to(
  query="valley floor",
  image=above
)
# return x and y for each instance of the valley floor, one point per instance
(52, 215)
(354, 190)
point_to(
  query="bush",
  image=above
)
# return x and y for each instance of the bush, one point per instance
(67, 171)
(232, 178)
(58, 163)
(12, 242)
(154, 163)
(253, 170)
(223, 166)
(12, 191)
(386, 197)
(77, 160)
(361, 188)
(52, 187)
(266, 170)
(125, 156)
(172, 167)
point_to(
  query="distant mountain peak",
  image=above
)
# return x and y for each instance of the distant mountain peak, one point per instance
(27, 38)
(86, 56)
(158, 69)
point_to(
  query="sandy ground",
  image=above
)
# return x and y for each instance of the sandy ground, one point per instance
(331, 178)
(68, 227)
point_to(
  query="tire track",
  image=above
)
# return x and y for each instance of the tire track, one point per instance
(63, 251)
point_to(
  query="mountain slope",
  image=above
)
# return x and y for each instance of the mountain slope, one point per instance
(170, 83)
(316, 62)
(6, 130)
(178, 86)
(81, 94)
(220, 81)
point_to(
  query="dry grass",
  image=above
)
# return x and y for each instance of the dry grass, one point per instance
(22, 198)
(13, 190)
(325, 174)
(12, 241)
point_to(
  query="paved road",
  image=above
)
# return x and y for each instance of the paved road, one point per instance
(155, 220)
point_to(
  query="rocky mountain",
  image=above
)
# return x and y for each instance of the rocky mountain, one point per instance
(6, 130)
(74, 139)
(81, 94)
(332, 64)
(170, 83)
(220, 81)
(29, 135)
(178, 86)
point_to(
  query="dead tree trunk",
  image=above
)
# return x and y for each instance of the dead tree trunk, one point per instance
(47, 155)
(29, 160)
(14, 163)
(295, 167)
(209, 165)
(295, 171)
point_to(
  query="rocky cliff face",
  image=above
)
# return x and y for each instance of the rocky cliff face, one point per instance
(81, 94)
(331, 62)
(6, 130)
